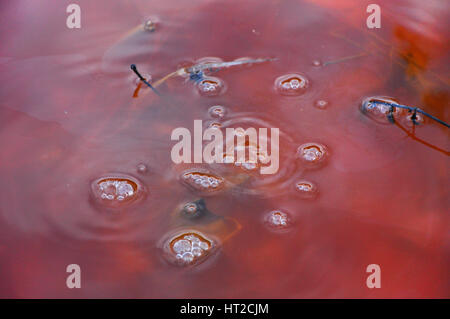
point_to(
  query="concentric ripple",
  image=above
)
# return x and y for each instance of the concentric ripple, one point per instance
(246, 177)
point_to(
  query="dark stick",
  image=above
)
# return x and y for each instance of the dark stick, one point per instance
(410, 109)
(134, 68)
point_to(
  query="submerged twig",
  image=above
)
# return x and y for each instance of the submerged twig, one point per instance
(345, 59)
(415, 138)
(410, 109)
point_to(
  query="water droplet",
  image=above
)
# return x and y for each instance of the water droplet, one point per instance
(142, 168)
(379, 112)
(217, 111)
(188, 248)
(321, 104)
(312, 153)
(202, 181)
(306, 189)
(116, 190)
(277, 220)
(211, 86)
(291, 84)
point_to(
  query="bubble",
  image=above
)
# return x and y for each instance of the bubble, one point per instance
(408, 121)
(202, 181)
(142, 168)
(380, 112)
(306, 189)
(253, 155)
(215, 125)
(188, 248)
(316, 63)
(217, 111)
(190, 209)
(182, 246)
(277, 220)
(150, 24)
(312, 153)
(321, 104)
(211, 86)
(114, 191)
(291, 84)
(249, 166)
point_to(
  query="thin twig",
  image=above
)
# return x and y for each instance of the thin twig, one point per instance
(415, 110)
(134, 68)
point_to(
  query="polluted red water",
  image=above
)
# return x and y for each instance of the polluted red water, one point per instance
(87, 177)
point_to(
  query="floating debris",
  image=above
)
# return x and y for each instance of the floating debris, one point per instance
(134, 68)
(196, 73)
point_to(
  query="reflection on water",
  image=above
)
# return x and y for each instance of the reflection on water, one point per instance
(86, 175)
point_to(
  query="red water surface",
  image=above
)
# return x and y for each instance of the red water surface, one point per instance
(69, 115)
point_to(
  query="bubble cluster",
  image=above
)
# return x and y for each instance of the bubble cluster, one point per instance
(291, 84)
(306, 189)
(380, 112)
(202, 181)
(189, 248)
(210, 86)
(217, 111)
(277, 220)
(254, 155)
(312, 153)
(115, 190)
